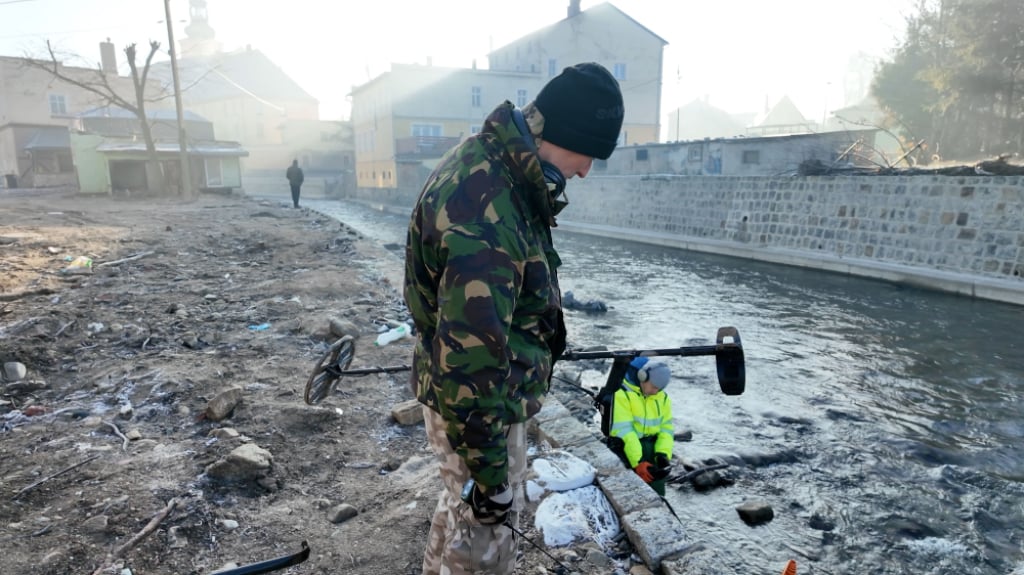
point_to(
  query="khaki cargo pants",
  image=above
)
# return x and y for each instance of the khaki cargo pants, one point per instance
(457, 543)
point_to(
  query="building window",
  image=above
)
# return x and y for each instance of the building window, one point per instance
(695, 153)
(433, 130)
(477, 96)
(520, 98)
(641, 155)
(619, 71)
(552, 68)
(58, 105)
(751, 156)
(600, 165)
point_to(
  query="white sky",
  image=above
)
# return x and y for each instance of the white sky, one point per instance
(737, 53)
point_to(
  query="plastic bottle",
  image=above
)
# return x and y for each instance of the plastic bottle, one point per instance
(394, 334)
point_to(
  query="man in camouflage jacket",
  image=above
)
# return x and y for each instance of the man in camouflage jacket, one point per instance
(481, 285)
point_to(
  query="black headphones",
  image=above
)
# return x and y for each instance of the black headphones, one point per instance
(552, 175)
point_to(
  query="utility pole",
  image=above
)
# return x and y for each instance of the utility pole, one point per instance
(186, 175)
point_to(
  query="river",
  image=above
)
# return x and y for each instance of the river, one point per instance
(884, 424)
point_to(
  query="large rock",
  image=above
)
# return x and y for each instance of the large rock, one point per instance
(221, 406)
(248, 461)
(755, 512)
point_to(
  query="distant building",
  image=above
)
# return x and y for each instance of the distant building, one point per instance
(36, 110)
(406, 118)
(699, 119)
(783, 118)
(110, 155)
(251, 100)
(606, 35)
(741, 156)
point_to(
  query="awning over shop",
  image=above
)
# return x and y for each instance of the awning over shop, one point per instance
(201, 149)
(49, 138)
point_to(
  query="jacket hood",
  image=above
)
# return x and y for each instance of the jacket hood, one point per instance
(519, 155)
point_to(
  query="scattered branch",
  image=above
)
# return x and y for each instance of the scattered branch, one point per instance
(693, 474)
(123, 260)
(138, 537)
(25, 490)
(117, 432)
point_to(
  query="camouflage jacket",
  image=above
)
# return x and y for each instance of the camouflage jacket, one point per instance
(481, 285)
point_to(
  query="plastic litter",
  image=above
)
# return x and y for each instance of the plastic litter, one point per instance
(260, 327)
(393, 334)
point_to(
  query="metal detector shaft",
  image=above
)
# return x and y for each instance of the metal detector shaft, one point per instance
(270, 564)
(372, 370)
(631, 353)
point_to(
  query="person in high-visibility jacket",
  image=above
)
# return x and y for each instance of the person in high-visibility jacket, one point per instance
(642, 421)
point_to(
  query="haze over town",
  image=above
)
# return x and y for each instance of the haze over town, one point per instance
(739, 54)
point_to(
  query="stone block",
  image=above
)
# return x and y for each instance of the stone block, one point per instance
(552, 410)
(655, 534)
(565, 432)
(597, 453)
(627, 492)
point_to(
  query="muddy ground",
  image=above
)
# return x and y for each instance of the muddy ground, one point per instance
(107, 440)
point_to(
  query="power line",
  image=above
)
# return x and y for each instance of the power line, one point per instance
(15, 1)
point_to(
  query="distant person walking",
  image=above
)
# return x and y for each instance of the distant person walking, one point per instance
(295, 178)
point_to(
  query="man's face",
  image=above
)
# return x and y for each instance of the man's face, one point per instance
(568, 162)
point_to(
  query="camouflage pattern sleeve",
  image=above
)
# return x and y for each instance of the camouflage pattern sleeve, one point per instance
(476, 297)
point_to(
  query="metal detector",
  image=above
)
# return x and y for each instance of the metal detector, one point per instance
(728, 352)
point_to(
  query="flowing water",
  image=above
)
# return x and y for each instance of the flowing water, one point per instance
(884, 424)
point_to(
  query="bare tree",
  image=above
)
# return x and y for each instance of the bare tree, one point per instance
(98, 83)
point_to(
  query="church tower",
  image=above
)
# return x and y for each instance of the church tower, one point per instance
(200, 39)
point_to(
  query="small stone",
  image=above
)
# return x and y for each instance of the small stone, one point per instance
(342, 513)
(96, 524)
(126, 411)
(755, 512)
(408, 412)
(229, 524)
(686, 435)
(133, 435)
(13, 371)
(224, 433)
(342, 327)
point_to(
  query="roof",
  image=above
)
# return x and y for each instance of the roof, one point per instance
(785, 113)
(202, 148)
(122, 114)
(49, 138)
(232, 74)
(594, 9)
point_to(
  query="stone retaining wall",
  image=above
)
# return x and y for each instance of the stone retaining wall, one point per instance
(963, 235)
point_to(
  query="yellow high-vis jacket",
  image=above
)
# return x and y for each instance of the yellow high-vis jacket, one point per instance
(635, 416)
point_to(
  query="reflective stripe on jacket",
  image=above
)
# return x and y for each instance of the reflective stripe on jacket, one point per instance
(636, 415)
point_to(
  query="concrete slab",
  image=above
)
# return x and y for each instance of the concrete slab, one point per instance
(628, 493)
(655, 534)
(597, 453)
(565, 432)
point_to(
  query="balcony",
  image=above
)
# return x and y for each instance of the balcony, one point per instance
(423, 147)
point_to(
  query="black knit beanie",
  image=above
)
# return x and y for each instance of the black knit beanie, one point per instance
(582, 110)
